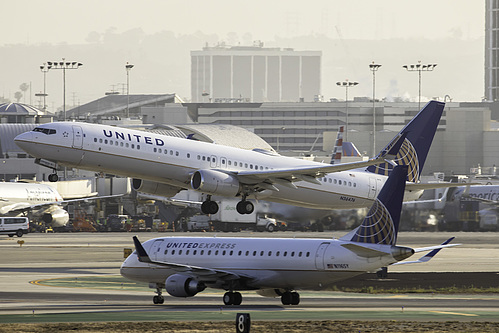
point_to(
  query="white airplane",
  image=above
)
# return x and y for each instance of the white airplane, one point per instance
(163, 165)
(185, 266)
(16, 198)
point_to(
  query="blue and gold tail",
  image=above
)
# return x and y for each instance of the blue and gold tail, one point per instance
(381, 224)
(419, 136)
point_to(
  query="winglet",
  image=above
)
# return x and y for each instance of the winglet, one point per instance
(141, 252)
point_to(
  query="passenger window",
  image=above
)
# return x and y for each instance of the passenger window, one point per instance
(121, 144)
(216, 252)
(261, 253)
(155, 150)
(308, 254)
(335, 181)
(349, 183)
(95, 139)
(133, 145)
(204, 158)
(187, 252)
(254, 253)
(339, 182)
(105, 141)
(293, 253)
(209, 252)
(223, 253)
(127, 145)
(231, 252)
(277, 254)
(194, 252)
(247, 253)
(159, 150)
(173, 252)
(239, 253)
(199, 157)
(138, 147)
(285, 253)
(188, 155)
(270, 253)
(176, 153)
(202, 252)
(299, 254)
(179, 252)
(166, 251)
(111, 142)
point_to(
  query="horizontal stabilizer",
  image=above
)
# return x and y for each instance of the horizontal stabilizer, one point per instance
(427, 257)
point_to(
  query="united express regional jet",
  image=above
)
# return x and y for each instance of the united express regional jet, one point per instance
(274, 267)
(163, 165)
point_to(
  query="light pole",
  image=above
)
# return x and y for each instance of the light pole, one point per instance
(346, 84)
(45, 68)
(64, 65)
(374, 68)
(128, 67)
(419, 67)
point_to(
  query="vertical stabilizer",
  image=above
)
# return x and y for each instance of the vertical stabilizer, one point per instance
(338, 147)
(420, 132)
(381, 224)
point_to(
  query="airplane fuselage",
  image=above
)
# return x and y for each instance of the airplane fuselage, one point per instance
(270, 262)
(172, 161)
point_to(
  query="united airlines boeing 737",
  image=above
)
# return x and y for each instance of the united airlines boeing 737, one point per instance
(274, 267)
(163, 165)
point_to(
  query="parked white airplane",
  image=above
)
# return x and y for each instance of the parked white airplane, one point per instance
(163, 165)
(185, 266)
(43, 200)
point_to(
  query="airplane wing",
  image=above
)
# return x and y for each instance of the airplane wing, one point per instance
(201, 272)
(309, 174)
(430, 255)
(7, 208)
(431, 186)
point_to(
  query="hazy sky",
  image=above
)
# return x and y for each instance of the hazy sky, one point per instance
(70, 21)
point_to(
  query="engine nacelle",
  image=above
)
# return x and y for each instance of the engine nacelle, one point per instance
(215, 182)
(270, 292)
(179, 285)
(56, 218)
(154, 188)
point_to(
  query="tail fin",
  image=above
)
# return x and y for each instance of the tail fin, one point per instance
(338, 147)
(420, 132)
(343, 148)
(381, 224)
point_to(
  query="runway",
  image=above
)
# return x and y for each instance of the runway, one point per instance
(75, 277)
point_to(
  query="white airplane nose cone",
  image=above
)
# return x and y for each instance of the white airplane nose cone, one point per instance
(22, 139)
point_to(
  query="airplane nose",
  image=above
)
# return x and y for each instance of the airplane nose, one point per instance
(26, 136)
(22, 139)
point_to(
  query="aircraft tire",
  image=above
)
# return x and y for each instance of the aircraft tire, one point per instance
(245, 207)
(238, 298)
(286, 298)
(295, 298)
(53, 177)
(228, 298)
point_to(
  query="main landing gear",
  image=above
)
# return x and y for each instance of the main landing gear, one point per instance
(243, 207)
(158, 299)
(232, 298)
(290, 298)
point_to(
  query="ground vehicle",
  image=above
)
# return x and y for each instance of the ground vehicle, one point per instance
(228, 219)
(14, 226)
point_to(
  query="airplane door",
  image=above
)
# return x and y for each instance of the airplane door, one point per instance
(155, 249)
(371, 194)
(213, 161)
(223, 162)
(319, 256)
(77, 137)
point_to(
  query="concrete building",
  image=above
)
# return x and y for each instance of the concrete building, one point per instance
(254, 74)
(492, 50)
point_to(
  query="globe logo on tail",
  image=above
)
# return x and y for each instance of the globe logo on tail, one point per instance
(377, 227)
(406, 156)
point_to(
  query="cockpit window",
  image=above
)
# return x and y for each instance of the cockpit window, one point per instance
(47, 131)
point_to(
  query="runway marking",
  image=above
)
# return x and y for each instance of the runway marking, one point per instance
(456, 313)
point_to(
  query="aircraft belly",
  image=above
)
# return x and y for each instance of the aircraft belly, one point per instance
(127, 167)
(318, 199)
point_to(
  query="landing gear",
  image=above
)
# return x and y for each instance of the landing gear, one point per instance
(245, 207)
(158, 299)
(209, 207)
(290, 298)
(232, 298)
(53, 177)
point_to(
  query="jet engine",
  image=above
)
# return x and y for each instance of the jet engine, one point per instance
(215, 182)
(179, 285)
(56, 218)
(154, 188)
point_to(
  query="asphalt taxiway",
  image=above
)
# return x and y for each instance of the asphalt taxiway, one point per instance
(75, 277)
